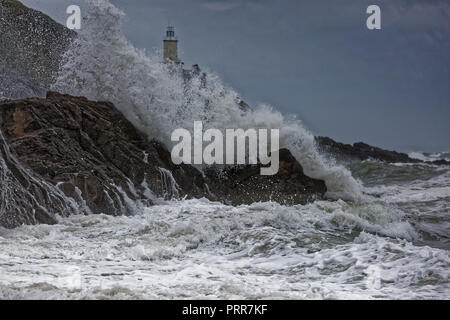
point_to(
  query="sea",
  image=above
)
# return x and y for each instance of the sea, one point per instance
(381, 232)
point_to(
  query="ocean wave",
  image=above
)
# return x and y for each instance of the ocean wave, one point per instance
(103, 65)
(200, 249)
(425, 156)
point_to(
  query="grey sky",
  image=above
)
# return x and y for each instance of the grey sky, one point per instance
(316, 59)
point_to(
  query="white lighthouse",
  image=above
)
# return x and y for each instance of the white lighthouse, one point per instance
(171, 46)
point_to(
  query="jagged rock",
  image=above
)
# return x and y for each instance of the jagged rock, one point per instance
(361, 151)
(24, 197)
(103, 164)
(244, 184)
(90, 150)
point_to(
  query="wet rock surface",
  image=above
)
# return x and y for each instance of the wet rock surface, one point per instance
(87, 153)
(244, 184)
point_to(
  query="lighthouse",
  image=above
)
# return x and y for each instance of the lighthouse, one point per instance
(171, 55)
(171, 46)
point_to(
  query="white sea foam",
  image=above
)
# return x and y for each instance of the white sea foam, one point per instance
(202, 249)
(416, 191)
(430, 156)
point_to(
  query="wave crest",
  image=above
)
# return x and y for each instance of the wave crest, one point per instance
(102, 64)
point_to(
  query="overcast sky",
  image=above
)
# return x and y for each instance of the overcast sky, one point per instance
(316, 59)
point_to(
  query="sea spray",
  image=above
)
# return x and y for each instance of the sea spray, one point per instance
(102, 64)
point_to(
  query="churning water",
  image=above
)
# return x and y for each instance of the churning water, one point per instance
(383, 233)
(394, 245)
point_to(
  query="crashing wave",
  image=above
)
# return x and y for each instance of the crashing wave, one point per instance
(103, 65)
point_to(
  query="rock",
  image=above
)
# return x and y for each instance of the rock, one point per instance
(244, 184)
(89, 158)
(90, 151)
(360, 151)
(440, 162)
(24, 197)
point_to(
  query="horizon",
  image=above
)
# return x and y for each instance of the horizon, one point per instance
(350, 83)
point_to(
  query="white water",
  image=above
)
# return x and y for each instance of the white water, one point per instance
(201, 249)
(103, 65)
(195, 249)
(430, 157)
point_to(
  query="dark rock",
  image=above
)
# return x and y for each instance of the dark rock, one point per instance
(244, 184)
(90, 151)
(360, 151)
(441, 162)
(24, 197)
(101, 163)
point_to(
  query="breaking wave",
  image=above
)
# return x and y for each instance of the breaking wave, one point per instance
(103, 65)
(424, 156)
(198, 249)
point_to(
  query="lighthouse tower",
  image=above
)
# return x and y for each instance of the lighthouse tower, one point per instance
(171, 46)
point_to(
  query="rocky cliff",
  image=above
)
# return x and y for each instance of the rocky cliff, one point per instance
(64, 154)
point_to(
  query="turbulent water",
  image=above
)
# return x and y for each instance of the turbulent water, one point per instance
(103, 65)
(383, 233)
(424, 156)
(394, 246)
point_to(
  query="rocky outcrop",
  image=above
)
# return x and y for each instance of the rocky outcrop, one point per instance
(361, 151)
(24, 197)
(91, 152)
(31, 47)
(64, 154)
(244, 184)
